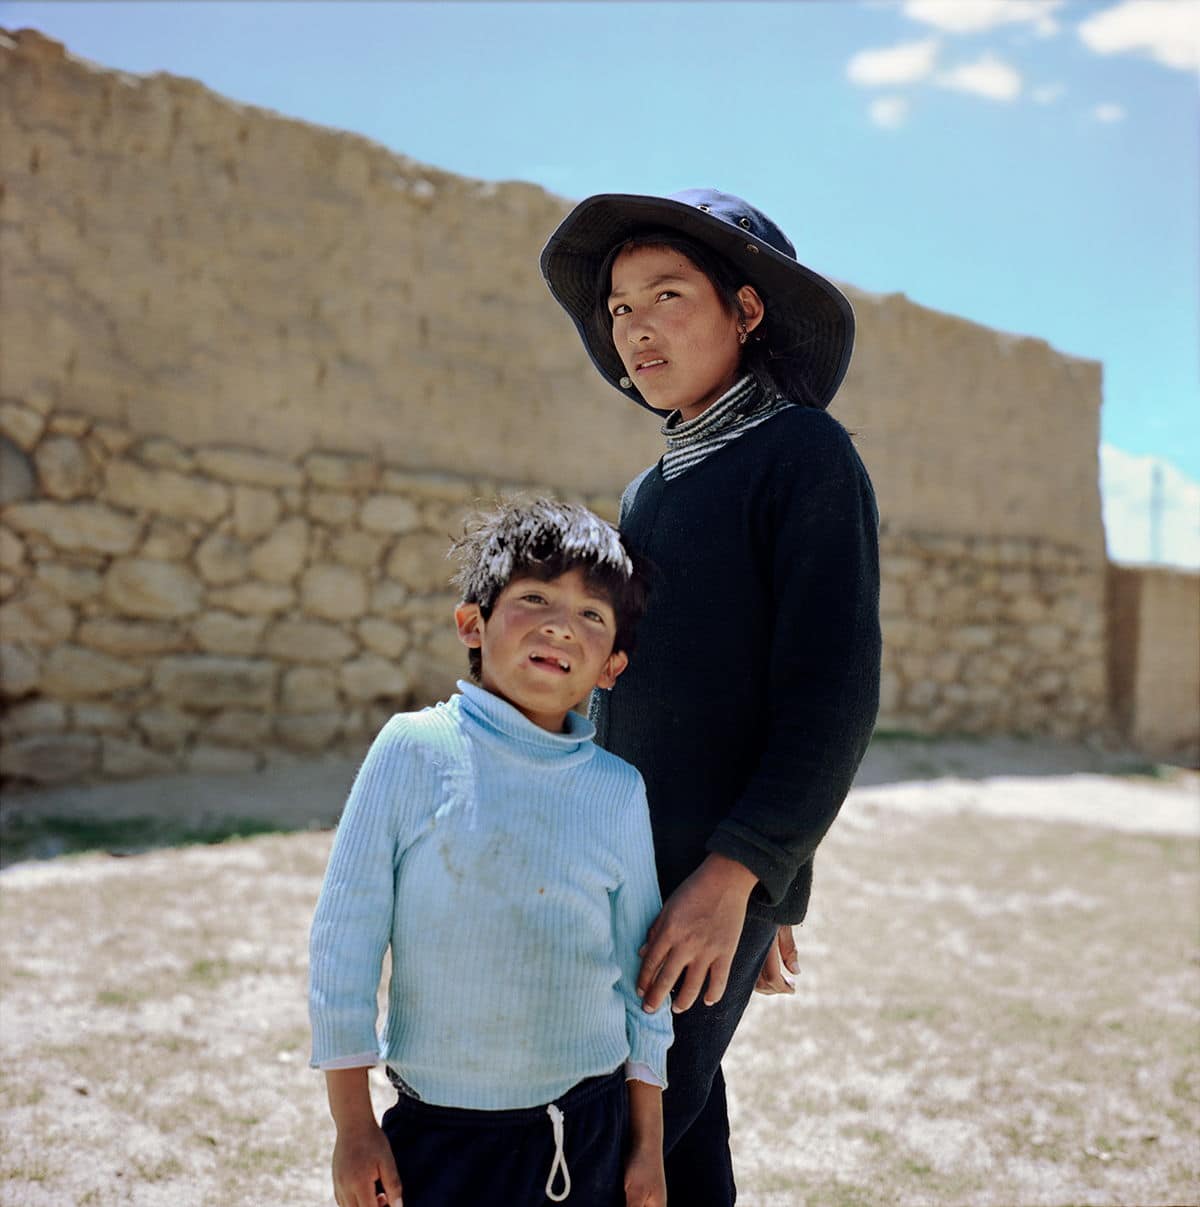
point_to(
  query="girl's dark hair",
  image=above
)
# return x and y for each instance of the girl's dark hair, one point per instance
(777, 368)
(544, 538)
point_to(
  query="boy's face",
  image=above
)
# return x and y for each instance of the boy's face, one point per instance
(545, 645)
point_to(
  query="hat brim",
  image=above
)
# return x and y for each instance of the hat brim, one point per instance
(807, 314)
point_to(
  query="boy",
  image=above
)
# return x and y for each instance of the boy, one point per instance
(508, 863)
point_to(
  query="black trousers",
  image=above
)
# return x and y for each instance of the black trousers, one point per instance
(459, 1158)
(695, 1119)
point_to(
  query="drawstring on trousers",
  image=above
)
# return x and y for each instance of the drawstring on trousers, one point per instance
(560, 1158)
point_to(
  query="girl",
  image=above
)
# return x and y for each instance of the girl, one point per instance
(757, 681)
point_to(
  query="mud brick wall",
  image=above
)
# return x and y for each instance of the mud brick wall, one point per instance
(254, 370)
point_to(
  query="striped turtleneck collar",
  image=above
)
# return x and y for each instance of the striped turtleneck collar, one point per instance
(689, 441)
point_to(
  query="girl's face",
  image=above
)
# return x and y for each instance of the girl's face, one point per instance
(676, 339)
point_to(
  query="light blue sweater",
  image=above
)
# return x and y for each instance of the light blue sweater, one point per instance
(512, 872)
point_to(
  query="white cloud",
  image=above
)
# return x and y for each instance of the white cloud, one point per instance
(988, 76)
(890, 112)
(902, 64)
(1132, 500)
(1047, 94)
(1168, 31)
(1108, 112)
(977, 16)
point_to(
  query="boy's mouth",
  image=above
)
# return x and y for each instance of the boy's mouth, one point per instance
(553, 661)
(652, 363)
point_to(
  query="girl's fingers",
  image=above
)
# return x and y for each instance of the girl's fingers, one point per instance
(718, 977)
(648, 973)
(670, 972)
(787, 948)
(768, 977)
(690, 990)
(657, 952)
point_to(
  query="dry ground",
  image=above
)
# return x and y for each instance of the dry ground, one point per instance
(997, 1006)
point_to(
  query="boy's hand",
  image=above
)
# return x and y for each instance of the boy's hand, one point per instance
(697, 931)
(362, 1156)
(781, 959)
(645, 1180)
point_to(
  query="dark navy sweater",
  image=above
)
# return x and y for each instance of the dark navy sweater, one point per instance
(750, 700)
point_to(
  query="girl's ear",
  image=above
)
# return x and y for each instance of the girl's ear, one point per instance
(614, 664)
(469, 620)
(753, 310)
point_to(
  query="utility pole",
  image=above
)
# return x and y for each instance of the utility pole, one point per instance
(1156, 512)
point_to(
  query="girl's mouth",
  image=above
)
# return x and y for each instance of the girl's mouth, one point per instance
(657, 362)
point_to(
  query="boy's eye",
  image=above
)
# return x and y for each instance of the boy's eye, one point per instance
(533, 597)
(666, 293)
(592, 614)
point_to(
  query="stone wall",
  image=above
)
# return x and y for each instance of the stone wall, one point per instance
(215, 608)
(248, 363)
(991, 635)
(1154, 668)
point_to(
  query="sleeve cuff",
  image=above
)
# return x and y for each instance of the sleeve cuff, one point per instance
(771, 864)
(360, 1060)
(636, 1070)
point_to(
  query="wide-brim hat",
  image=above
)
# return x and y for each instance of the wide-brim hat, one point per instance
(807, 317)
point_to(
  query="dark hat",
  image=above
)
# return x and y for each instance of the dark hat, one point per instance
(807, 317)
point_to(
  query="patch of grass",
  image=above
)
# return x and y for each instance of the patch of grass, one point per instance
(115, 997)
(907, 735)
(23, 837)
(1143, 769)
(210, 972)
(257, 1161)
(158, 1171)
(27, 1169)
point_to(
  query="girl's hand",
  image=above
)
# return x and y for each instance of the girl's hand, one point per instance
(781, 959)
(361, 1156)
(697, 932)
(645, 1180)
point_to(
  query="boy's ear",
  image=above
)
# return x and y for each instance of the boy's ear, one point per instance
(614, 664)
(469, 620)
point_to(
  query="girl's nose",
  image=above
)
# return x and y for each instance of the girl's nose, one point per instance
(637, 329)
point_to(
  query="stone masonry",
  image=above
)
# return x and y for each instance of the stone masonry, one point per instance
(213, 608)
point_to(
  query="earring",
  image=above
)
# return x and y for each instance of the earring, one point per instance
(741, 333)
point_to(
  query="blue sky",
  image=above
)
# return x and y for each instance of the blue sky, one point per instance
(1029, 164)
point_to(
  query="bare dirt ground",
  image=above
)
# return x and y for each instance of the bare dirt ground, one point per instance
(1000, 1001)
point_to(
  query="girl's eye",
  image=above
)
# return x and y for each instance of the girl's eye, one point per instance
(666, 293)
(620, 310)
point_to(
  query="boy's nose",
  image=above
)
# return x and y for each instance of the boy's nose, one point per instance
(559, 623)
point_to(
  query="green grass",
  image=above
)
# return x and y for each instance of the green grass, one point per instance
(24, 837)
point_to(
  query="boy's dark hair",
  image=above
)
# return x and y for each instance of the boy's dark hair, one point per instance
(779, 370)
(544, 538)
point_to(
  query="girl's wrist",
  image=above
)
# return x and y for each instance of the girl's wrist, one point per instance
(736, 874)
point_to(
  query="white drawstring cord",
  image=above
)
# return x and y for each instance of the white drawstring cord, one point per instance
(560, 1157)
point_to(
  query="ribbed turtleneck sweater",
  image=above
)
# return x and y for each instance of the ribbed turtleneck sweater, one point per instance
(510, 869)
